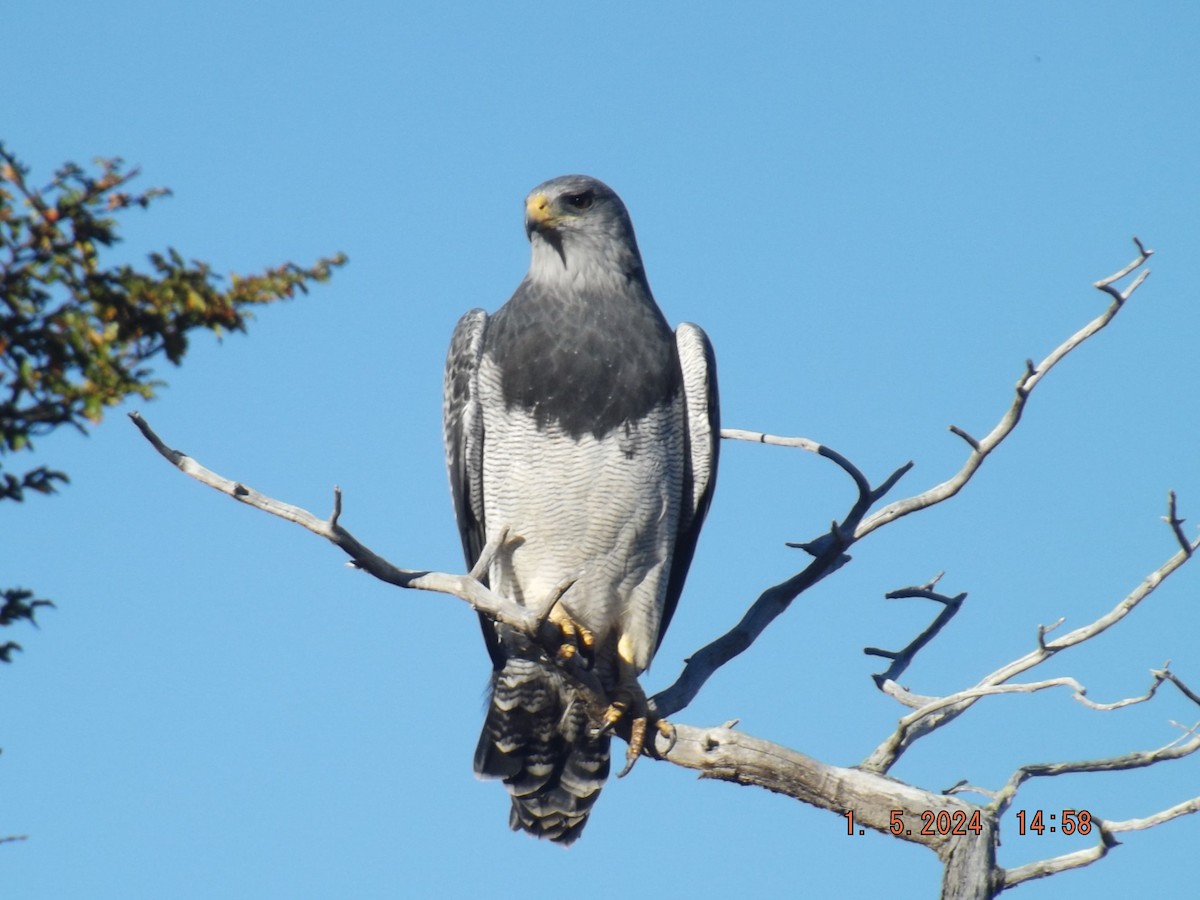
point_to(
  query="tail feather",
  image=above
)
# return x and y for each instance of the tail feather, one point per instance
(537, 737)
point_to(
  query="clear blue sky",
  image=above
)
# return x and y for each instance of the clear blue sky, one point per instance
(878, 213)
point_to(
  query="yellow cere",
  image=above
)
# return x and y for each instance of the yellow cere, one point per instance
(538, 208)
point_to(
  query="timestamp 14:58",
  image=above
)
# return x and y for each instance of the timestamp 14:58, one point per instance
(1070, 822)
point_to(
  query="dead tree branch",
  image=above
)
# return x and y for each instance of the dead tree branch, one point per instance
(866, 800)
(1187, 807)
(1107, 830)
(1030, 379)
(902, 658)
(829, 550)
(464, 587)
(1183, 688)
(1139, 759)
(937, 712)
(1176, 524)
(728, 755)
(828, 556)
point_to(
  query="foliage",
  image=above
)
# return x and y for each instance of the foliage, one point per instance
(18, 605)
(76, 335)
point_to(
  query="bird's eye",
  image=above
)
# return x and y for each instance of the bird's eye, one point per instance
(581, 201)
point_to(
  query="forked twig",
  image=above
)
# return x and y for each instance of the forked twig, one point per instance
(941, 710)
(1033, 375)
(464, 587)
(829, 549)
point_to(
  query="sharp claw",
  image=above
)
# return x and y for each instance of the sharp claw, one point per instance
(614, 714)
(637, 741)
(667, 730)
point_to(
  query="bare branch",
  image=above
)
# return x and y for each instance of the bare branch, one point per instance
(904, 696)
(728, 755)
(829, 549)
(1176, 524)
(901, 659)
(954, 429)
(758, 437)
(1160, 675)
(980, 449)
(1043, 630)
(1104, 284)
(462, 586)
(962, 787)
(867, 495)
(771, 603)
(1139, 759)
(1045, 867)
(337, 502)
(828, 552)
(1100, 625)
(940, 710)
(932, 716)
(1184, 689)
(888, 483)
(1187, 807)
(487, 554)
(1177, 749)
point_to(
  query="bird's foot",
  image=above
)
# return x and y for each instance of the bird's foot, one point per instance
(629, 704)
(667, 730)
(572, 637)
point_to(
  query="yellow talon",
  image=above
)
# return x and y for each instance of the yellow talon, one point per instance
(614, 714)
(586, 637)
(574, 636)
(637, 741)
(667, 730)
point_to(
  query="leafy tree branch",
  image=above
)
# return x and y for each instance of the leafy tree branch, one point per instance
(78, 334)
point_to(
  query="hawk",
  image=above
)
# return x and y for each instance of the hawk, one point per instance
(581, 440)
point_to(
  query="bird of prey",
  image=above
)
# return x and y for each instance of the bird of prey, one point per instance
(581, 440)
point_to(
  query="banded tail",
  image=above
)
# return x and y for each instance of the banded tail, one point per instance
(538, 739)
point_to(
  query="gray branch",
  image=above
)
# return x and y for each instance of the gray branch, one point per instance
(902, 658)
(936, 712)
(1106, 829)
(1030, 379)
(362, 557)
(829, 549)
(874, 801)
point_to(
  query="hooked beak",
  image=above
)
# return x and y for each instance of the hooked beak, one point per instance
(538, 214)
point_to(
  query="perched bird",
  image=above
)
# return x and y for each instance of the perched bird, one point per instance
(581, 439)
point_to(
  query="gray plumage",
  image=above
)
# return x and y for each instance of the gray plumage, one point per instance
(575, 418)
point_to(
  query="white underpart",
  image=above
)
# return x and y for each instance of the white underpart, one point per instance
(603, 513)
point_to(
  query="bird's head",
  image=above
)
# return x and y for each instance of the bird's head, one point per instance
(576, 223)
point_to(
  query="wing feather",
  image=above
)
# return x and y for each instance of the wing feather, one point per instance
(702, 422)
(462, 423)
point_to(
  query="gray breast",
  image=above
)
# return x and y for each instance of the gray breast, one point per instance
(588, 362)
